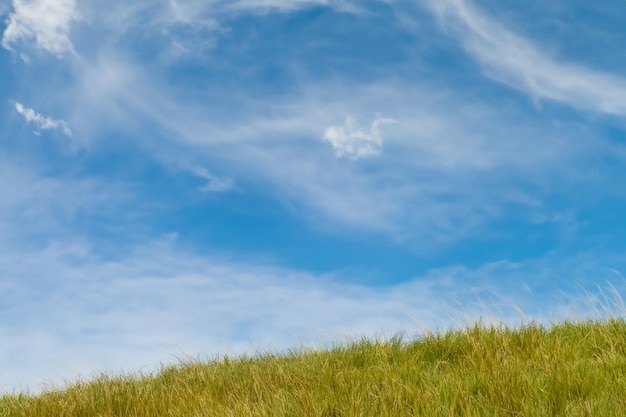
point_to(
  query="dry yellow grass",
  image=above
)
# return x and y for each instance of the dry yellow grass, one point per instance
(570, 369)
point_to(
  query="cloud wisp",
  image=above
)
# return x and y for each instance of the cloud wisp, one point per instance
(46, 22)
(156, 302)
(517, 62)
(293, 147)
(289, 5)
(42, 122)
(214, 184)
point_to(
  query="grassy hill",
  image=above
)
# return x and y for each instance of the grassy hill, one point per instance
(570, 369)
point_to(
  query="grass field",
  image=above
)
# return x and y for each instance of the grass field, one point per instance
(568, 369)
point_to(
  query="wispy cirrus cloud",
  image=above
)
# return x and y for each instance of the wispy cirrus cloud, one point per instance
(35, 204)
(438, 157)
(519, 63)
(42, 122)
(46, 22)
(433, 155)
(214, 184)
(290, 5)
(163, 302)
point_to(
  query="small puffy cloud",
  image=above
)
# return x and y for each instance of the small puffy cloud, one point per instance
(349, 141)
(47, 22)
(42, 122)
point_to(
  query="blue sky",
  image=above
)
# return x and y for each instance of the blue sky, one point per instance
(200, 177)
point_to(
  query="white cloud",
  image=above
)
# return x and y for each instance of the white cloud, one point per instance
(440, 157)
(42, 122)
(159, 302)
(517, 62)
(35, 205)
(441, 153)
(350, 142)
(47, 22)
(214, 184)
(290, 5)
(156, 301)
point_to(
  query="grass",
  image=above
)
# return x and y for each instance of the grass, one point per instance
(568, 369)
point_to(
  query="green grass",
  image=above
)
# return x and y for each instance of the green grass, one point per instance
(569, 369)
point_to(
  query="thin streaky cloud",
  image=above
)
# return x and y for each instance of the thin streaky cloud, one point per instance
(428, 136)
(517, 62)
(199, 14)
(214, 184)
(160, 301)
(42, 122)
(290, 5)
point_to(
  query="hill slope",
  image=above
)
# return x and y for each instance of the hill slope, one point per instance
(571, 369)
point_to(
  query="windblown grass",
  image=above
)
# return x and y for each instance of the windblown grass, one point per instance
(570, 369)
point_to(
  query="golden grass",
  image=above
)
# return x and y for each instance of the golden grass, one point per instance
(570, 369)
